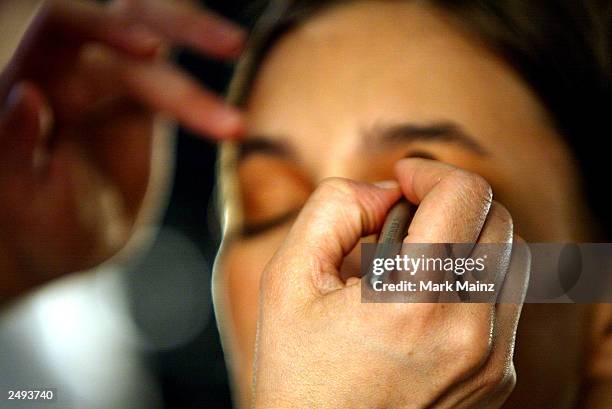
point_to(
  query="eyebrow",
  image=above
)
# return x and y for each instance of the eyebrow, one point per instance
(446, 132)
(262, 144)
(395, 133)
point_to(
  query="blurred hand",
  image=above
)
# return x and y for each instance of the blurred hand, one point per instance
(78, 102)
(319, 347)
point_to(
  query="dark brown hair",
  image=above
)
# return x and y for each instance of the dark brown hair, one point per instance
(561, 49)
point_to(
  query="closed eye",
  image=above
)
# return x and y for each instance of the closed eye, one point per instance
(420, 154)
(253, 229)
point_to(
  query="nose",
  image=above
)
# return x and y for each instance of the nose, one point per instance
(343, 160)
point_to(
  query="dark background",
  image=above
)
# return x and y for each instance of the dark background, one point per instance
(192, 375)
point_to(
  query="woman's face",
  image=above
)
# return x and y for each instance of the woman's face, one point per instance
(364, 84)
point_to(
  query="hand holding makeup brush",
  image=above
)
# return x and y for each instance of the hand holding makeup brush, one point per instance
(319, 346)
(78, 100)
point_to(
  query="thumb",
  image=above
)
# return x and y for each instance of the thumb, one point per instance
(21, 126)
(338, 214)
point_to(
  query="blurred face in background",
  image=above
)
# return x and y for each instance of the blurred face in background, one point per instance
(362, 85)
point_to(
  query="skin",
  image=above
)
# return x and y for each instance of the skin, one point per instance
(77, 123)
(323, 101)
(109, 82)
(307, 310)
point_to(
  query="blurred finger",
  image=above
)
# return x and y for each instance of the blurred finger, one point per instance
(164, 88)
(88, 21)
(22, 126)
(161, 87)
(187, 26)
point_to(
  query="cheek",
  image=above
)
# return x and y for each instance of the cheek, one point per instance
(540, 200)
(270, 188)
(250, 256)
(241, 266)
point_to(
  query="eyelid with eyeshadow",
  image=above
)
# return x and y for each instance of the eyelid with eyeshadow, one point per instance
(253, 229)
(420, 154)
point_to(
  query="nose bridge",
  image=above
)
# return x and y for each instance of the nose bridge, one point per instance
(345, 158)
(340, 159)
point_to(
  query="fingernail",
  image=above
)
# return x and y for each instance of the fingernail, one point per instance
(231, 33)
(230, 123)
(40, 159)
(40, 155)
(14, 96)
(387, 184)
(144, 37)
(46, 121)
(230, 39)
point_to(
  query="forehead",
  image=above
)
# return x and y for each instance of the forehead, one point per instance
(399, 59)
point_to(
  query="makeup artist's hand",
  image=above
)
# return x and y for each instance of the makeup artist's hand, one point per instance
(319, 347)
(76, 122)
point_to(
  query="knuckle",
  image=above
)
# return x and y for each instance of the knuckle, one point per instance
(50, 10)
(412, 320)
(500, 379)
(522, 251)
(500, 213)
(519, 240)
(339, 191)
(508, 382)
(125, 6)
(470, 345)
(336, 186)
(423, 314)
(417, 318)
(522, 245)
(473, 184)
